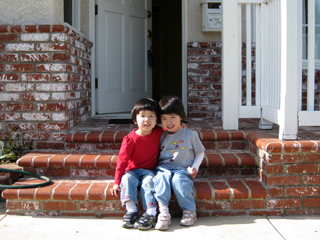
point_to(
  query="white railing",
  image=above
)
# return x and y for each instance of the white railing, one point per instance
(274, 28)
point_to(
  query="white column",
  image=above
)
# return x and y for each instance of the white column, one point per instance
(231, 68)
(290, 62)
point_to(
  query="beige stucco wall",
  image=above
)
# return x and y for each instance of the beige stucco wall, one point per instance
(21, 12)
(195, 24)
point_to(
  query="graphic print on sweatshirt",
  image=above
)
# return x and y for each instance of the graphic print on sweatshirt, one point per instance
(174, 151)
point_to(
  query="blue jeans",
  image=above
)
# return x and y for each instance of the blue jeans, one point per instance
(181, 183)
(131, 181)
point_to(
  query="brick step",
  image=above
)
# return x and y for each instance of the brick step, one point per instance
(106, 140)
(230, 163)
(214, 197)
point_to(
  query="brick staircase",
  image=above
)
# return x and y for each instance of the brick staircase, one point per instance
(82, 175)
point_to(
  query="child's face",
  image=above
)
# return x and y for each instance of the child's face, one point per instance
(146, 121)
(171, 122)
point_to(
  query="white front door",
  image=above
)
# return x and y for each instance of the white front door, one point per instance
(122, 63)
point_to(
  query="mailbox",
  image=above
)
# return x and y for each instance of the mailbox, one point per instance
(211, 16)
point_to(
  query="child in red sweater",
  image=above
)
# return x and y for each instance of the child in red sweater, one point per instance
(138, 159)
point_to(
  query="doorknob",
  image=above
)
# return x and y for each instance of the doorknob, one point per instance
(149, 34)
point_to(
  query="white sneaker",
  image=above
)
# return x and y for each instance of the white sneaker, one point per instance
(164, 220)
(188, 218)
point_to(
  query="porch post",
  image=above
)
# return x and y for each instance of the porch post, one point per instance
(290, 60)
(231, 71)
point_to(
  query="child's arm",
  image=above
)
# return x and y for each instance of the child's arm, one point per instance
(193, 170)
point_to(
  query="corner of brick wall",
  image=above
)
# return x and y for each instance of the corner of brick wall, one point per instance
(291, 173)
(45, 85)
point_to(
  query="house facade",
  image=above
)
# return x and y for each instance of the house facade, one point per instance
(55, 75)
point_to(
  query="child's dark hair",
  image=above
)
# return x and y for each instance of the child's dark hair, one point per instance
(145, 104)
(172, 104)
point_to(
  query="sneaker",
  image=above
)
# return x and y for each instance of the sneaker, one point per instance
(164, 220)
(188, 218)
(129, 219)
(146, 222)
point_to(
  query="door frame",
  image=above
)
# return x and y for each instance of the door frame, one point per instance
(92, 38)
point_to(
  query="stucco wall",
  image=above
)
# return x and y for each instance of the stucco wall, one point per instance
(23, 12)
(195, 33)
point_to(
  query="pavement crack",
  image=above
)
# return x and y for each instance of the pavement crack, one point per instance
(275, 227)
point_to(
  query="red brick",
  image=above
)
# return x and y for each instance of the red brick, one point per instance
(20, 107)
(213, 205)
(266, 213)
(19, 67)
(273, 169)
(60, 206)
(303, 168)
(285, 203)
(275, 192)
(246, 159)
(44, 28)
(239, 190)
(35, 77)
(248, 204)
(23, 205)
(4, 28)
(44, 193)
(31, 28)
(88, 161)
(308, 146)
(230, 160)
(221, 190)
(35, 57)
(99, 206)
(313, 157)
(104, 161)
(311, 202)
(203, 190)
(312, 179)
(214, 160)
(78, 192)
(52, 126)
(72, 161)
(62, 191)
(285, 158)
(283, 180)
(97, 191)
(9, 57)
(57, 160)
(301, 191)
(58, 28)
(9, 38)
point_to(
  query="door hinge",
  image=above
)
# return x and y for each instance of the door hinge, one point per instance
(96, 9)
(96, 83)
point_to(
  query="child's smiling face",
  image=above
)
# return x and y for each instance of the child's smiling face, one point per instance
(146, 121)
(171, 122)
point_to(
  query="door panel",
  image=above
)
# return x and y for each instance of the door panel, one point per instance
(123, 72)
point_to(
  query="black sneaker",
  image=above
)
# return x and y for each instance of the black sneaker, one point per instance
(129, 219)
(146, 222)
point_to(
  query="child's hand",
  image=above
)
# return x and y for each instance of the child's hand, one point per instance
(193, 172)
(115, 190)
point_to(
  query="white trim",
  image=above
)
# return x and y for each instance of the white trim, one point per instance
(249, 111)
(92, 38)
(309, 118)
(76, 14)
(184, 20)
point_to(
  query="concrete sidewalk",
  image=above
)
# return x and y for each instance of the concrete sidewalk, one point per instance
(274, 228)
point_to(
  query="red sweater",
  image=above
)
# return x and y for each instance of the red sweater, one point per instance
(138, 152)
